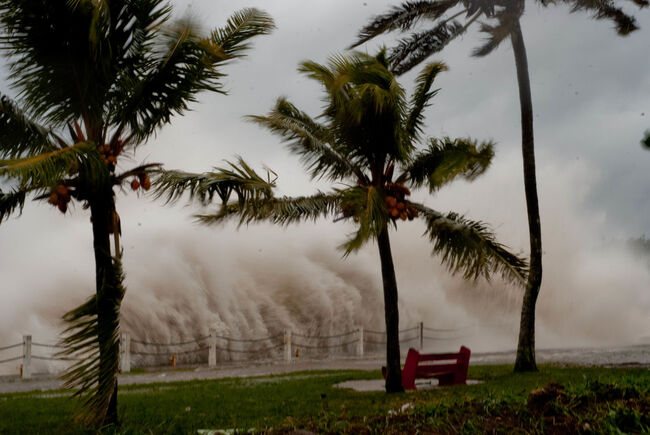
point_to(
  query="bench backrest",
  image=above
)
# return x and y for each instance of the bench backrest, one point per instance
(451, 369)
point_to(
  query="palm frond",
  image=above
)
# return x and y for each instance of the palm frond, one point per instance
(411, 51)
(470, 248)
(48, 168)
(234, 38)
(11, 202)
(365, 204)
(281, 211)
(310, 140)
(189, 65)
(20, 135)
(446, 159)
(239, 178)
(366, 107)
(421, 97)
(94, 374)
(606, 10)
(403, 17)
(496, 33)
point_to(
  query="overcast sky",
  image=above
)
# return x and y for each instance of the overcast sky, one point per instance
(591, 95)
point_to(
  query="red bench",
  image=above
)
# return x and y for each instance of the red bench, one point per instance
(448, 368)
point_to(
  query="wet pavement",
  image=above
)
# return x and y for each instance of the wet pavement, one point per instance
(629, 356)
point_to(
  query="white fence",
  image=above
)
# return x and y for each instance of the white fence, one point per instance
(214, 348)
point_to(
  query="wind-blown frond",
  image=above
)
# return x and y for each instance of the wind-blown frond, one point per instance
(412, 50)
(10, 202)
(365, 204)
(496, 33)
(188, 66)
(92, 376)
(47, 169)
(366, 106)
(313, 142)
(234, 38)
(446, 159)
(280, 211)
(403, 17)
(470, 248)
(605, 10)
(20, 135)
(238, 178)
(421, 97)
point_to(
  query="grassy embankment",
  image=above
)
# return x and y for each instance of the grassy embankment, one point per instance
(594, 400)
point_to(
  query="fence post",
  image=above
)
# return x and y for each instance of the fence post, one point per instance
(287, 345)
(421, 336)
(27, 356)
(125, 352)
(212, 355)
(360, 342)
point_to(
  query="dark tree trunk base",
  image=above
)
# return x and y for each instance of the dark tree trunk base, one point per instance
(393, 369)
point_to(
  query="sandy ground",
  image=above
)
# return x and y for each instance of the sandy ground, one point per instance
(631, 356)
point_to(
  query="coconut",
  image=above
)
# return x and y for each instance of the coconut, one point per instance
(63, 206)
(146, 183)
(394, 212)
(135, 184)
(54, 198)
(401, 206)
(391, 201)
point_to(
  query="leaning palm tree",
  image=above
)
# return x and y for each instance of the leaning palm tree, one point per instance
(367, 144)
(94, 79)
(502, 22)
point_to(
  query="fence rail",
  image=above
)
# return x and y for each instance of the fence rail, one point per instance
(224, 348)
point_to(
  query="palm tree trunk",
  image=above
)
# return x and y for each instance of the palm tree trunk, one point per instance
(526, 348)
(102, 214)
(393, 371)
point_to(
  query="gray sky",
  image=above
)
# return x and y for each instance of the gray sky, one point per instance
(591, 94)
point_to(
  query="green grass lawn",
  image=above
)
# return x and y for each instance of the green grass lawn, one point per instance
(594, 400)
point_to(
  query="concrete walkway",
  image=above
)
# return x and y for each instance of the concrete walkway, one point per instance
(629, 356)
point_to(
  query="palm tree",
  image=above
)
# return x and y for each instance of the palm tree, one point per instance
(95, 79)
(502, 23)
(367, 143)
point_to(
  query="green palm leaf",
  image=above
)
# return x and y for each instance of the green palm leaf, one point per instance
(238, 178)
(10, 202)
(412, 50)
(445, 160)
(606, 10)
(313, 142)
(92, 338)
(470, 248)
(234, 38)
(403, 17)
(280, 211)
(20, 135)
(421, 97)
(366, 205)
(48, 168)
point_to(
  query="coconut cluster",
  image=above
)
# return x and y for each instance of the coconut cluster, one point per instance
(396, 206)
(141, 181)
(109, 154)
(60, 196)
